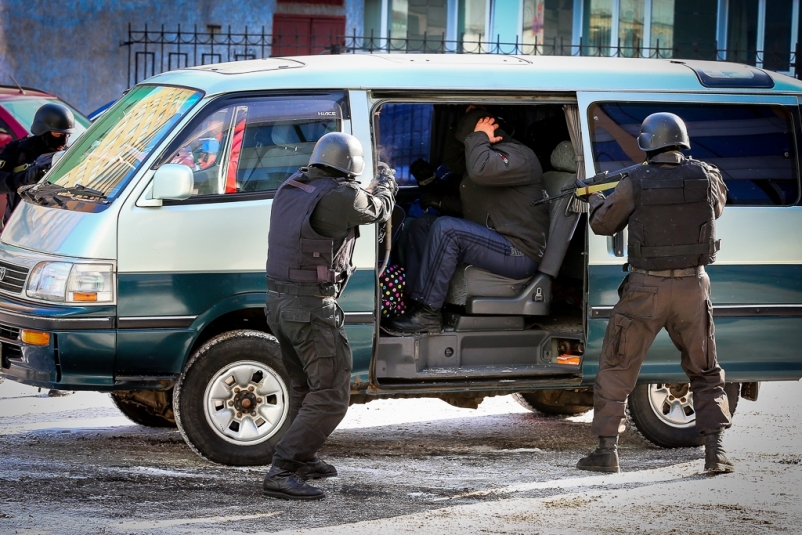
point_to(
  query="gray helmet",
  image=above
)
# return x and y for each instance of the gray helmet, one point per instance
(339, 151)
(53, 117)
(660, 130)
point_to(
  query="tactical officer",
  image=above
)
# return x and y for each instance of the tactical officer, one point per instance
(26, 160)
(313, 227)
(670, 205)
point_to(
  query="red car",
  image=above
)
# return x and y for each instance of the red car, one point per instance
(18, 106)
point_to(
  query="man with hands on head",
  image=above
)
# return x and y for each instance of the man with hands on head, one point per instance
(501, 231)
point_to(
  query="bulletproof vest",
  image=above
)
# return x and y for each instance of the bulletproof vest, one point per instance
(296, 253)
(673, 225)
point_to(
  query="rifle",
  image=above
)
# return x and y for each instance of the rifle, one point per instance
(602, 181)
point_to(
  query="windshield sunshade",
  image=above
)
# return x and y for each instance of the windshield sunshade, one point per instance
(107, 156)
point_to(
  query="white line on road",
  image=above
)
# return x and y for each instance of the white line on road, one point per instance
(153, 524)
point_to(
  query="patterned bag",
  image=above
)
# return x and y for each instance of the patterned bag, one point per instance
(393, 300)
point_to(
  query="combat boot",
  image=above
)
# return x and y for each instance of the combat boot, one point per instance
(316, 469)
(286, 485)
(602, 459)
(716, 461)
(422, 319)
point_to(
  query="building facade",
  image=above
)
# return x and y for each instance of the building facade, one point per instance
(89, 51)
(764, 33)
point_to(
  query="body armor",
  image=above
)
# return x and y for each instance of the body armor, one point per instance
(296, 253)
(673, 225)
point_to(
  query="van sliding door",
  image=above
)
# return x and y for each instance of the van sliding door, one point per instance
(757, 277)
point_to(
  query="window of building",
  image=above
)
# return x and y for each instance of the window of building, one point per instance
(558, 25)
(549, 25)
(742, 31)
(472, 24)
(694, 35)
(422, 21)
(777, 41)
(597, 27)
(752, 145)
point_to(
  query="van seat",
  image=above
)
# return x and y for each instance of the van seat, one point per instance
(482, 292)
(485, 293)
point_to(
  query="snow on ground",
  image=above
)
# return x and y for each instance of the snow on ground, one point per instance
(406, 466)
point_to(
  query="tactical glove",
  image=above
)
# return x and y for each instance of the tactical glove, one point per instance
(386, 178)
(38, 168)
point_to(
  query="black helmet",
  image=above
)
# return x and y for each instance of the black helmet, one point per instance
(339, 151)
(53, 117)
(660, 130)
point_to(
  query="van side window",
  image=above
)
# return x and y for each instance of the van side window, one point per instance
(405, 132)
(253, 145)
(753, 145)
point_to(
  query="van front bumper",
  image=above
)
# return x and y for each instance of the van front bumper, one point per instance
(79, 356)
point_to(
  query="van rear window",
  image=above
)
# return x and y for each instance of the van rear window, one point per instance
(752, 144)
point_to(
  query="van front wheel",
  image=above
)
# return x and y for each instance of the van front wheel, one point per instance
(232, 403)
(664, 414)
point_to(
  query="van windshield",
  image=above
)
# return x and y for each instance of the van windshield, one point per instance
(106, 157)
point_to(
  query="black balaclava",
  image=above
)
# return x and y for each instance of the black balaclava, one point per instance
(54, 143)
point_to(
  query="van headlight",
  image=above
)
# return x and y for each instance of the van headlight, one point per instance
(65, 282)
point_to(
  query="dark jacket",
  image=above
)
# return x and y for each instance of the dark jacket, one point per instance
(18, 153)
(501, 181)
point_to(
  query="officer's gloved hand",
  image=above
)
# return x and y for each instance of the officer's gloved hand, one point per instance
(386, 178)
(38, 168)
(422, 171)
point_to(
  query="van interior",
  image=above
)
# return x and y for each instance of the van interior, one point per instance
(496, 329)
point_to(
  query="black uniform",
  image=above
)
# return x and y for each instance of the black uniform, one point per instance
(312, 234)
(15, 159)
(670, 207)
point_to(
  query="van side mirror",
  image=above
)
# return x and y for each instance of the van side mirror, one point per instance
(173, 181)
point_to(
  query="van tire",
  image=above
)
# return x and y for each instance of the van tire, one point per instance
(556, 402)
(208, 399)
(143, 414)
(667, 431)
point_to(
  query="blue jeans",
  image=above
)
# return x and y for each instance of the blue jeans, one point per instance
(452, 241)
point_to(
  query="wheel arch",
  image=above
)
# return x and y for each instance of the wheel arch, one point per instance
(242, 311)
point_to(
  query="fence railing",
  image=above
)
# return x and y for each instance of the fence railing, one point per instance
(152, 51)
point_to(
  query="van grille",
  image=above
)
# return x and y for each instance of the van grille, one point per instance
(9, 333)
(13, 279)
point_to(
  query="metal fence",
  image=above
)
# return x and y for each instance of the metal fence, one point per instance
(152, 51)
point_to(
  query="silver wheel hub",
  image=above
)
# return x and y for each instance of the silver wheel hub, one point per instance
(673, 404)
(246, 403)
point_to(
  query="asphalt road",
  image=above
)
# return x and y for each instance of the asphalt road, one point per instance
(76, 465)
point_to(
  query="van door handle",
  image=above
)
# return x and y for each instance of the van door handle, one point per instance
(618, 244)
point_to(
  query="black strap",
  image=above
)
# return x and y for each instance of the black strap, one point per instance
(639, 251)
(328, 290)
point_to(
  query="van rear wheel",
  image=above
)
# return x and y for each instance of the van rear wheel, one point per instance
(556, 402)
(663, 414)
(232, 402)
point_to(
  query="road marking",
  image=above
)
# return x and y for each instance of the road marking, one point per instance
(152, 524)
(658, 475)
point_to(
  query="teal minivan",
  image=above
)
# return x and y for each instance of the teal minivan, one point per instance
(136, 267)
